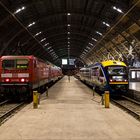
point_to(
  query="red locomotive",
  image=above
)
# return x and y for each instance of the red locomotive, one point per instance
(20, 75)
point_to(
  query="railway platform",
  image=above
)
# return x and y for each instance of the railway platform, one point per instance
(70, 112)
(134, 86)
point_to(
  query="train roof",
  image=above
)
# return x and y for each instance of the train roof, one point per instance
(17, 56)
(112, 63)
(106, 63)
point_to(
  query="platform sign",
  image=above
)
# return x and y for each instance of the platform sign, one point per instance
(71, 61)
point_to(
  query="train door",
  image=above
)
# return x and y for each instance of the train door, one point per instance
(101, 78)
(94, 75)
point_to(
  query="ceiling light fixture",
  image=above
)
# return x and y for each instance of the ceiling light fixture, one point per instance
(31, 24)
(50, 51)
(43, 39)
(88, 48)
(84, 52)
(90, 44)
(37, 33)
(94, 39)
(68, 14)
(99, 33)
(49, 48)
(46, 44)
(106, 24)
(19, 10)
(117, 9)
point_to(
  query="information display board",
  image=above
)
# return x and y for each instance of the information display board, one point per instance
(64, 62)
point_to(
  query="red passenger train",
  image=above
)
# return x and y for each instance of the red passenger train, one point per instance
(20, 75)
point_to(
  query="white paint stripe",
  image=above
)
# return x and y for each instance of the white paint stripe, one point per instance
(23, 74)
(9, 75)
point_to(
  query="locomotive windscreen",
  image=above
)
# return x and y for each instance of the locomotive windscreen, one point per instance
(117, 73)
(15, 64)
(8, 64)
(22, 63)
(116, 70)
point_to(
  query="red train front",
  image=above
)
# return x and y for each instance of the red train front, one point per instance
(20, 75)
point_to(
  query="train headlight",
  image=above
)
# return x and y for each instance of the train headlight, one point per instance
(7, 80)
(125, 80)
(22, 80)
(111, 80)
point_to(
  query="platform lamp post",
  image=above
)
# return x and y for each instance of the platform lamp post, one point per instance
(68, 63)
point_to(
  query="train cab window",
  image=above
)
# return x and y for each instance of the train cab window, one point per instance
(22, 63)
(8, 64)
(117, 70)
(15, 64)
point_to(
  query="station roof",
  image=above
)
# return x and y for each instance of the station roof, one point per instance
(88, 30)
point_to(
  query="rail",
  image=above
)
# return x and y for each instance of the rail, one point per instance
(130, 105)
(4, 102)
(7, 109)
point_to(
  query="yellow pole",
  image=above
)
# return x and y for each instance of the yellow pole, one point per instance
(35, 99)
(38, 98)
(107, 100)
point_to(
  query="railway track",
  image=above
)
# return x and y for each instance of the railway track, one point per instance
(7, 109)
(4, 102)
(130, 105)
